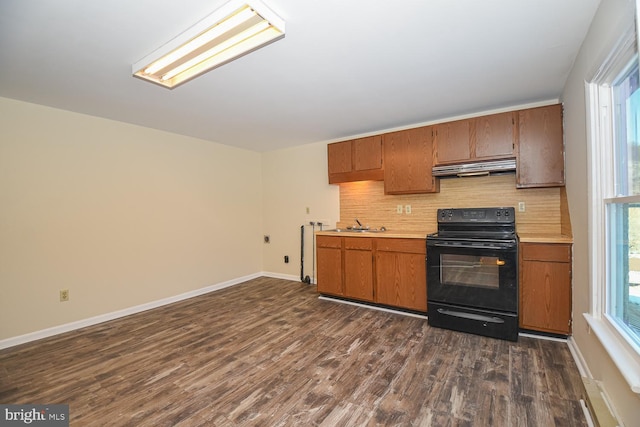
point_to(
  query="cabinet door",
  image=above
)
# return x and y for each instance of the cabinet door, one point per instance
(540, 157)
(545, 288)
(329, 260)
(355, 160)
(408, 159)
(339, 157)
(495, 136)
(401, 277)
(368, 153)
(358, 268)
(452, 142)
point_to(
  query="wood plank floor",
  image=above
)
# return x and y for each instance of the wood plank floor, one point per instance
(270, 353)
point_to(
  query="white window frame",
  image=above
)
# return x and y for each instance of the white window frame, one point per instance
(624, 352)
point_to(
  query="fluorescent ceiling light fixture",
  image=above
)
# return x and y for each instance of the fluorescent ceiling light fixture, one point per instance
(233, 30)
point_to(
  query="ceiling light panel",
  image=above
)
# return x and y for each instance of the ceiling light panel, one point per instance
(233, 30)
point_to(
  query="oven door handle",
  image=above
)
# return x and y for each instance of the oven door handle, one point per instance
(470, 316)
(500, 248)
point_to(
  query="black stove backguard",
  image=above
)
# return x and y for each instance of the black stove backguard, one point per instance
(472, 272)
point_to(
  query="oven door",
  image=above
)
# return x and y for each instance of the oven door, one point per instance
(478, 274)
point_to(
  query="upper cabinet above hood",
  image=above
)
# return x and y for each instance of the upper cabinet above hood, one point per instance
(479, 145)
(529, 142)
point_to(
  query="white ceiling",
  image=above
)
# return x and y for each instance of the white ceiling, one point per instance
(344, 68)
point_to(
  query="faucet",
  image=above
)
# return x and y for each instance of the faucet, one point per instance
(358, 222)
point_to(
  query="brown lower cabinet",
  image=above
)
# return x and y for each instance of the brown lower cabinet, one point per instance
(358, 268)
(401, 277)
(545, 287)
(386, 271)
(329, 256)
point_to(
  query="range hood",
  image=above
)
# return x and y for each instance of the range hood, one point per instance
(477, 168)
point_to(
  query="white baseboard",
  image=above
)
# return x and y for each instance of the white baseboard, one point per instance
(33, 336)
(281, 276)
(541, 337)
(583, 368)
(581, 363)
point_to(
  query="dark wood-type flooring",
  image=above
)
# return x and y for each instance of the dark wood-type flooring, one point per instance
(268, 352)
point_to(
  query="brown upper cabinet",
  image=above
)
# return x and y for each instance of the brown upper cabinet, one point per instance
(408, 160)
(540, 148)
(534, 137)
(494, 136)
(489, 137)
(452, 142)
(356, 160)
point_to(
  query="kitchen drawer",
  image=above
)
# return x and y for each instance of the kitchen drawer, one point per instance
(363, 243)
(416, 246)
(546, 252)
(329, 242)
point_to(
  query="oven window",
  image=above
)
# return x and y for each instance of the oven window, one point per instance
(470, 270)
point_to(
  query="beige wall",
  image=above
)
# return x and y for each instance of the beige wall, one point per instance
(118, 214)
(295, 179)
(611, 16)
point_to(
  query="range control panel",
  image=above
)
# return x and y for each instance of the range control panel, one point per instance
(477, 215)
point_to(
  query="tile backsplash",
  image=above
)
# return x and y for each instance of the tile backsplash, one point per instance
(366, 201)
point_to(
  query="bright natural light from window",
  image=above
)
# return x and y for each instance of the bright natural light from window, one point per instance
(623, 210)
(613, 102)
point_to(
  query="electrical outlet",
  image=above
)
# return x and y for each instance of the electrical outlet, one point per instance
(407, 209)
(399, 209)
(64, 295)
(521, 207)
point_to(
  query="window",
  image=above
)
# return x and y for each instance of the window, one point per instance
(622, 201)
(614, 219)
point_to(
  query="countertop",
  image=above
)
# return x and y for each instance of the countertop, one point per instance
(388, 234)
(524, 237)
(544, 238)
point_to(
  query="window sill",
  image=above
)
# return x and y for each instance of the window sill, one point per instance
(620, 352)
